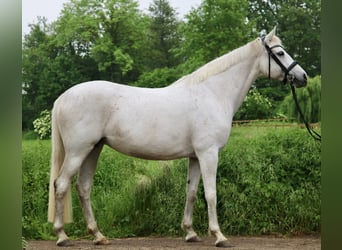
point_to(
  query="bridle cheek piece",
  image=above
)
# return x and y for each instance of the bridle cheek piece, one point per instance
(287, 77)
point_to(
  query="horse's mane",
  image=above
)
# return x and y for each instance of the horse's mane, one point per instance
(222, 63)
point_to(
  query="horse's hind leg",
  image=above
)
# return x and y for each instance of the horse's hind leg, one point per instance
(194, 175)
(84, 183)
(72, 163)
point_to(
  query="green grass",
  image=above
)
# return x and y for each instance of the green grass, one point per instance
(268, 182)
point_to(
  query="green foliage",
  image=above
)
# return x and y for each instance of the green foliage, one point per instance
(113, 40)
(298, 24)
(23, 243)
(42, 125)
(160, 77)
(29, 135)
(163, 36)
(255, 106)
(209, 30)
(268, 182)
(309, 99)
(35, 181)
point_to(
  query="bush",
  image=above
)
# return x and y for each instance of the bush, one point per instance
(309, 99)
(268, 182)
(255, 106)
(158, 78)
(29, 135)
(35, 187)
(42, 125)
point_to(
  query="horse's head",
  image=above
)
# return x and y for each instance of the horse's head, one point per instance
(276, 63)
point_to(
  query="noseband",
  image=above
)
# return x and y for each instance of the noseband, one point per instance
(287, 70)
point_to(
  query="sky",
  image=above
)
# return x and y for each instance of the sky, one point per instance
(50, 9)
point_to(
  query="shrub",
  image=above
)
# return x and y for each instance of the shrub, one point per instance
(159, 77)
(255, 106)
(42, 125)
(309, 99)
(270, 184)
(29, 135)
(35, 185)
(268, 181)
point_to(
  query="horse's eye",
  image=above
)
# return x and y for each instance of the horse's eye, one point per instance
(280, 53)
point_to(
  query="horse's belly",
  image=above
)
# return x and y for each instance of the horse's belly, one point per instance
(155, 155)
(151, 147)
(152, 128)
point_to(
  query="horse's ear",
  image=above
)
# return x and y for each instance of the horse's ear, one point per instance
(270, 35)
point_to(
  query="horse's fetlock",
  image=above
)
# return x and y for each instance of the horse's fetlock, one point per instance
(184, 227)
(214, 231)
(57, 228)
(92, 228)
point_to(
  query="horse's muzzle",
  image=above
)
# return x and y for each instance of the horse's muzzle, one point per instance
(299, 81)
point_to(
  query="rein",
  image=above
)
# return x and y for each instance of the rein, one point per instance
(289, 78)
(312, 132)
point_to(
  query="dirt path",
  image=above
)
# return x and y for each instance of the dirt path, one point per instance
(239, 243)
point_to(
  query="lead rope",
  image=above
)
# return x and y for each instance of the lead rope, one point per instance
(313, 133)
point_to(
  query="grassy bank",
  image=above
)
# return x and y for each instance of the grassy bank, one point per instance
(268, 182)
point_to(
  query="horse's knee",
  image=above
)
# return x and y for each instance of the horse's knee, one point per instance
(79, 189)
(83, 190)
(211, 198)
(192, 196)
(61, 188)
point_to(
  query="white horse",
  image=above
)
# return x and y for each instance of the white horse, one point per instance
(190, 118)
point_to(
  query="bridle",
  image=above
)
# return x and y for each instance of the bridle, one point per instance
(287, 70)
(289, 78)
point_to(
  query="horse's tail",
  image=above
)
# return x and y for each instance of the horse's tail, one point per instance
(57, 158)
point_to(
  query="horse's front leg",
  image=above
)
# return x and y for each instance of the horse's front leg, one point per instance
(194, 174)
(208, 164)
(84, 183)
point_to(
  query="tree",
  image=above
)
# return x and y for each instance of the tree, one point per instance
(164, 35)
(298, 24)
(213, 29)
(39, 71)
(50, 66)
(159, 77)
(91, 40)
(309, 99)
(110, 32)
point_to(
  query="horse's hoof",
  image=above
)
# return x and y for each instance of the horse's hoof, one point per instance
(223, 244)
(194, 238)
(102, 241)
(64, 243)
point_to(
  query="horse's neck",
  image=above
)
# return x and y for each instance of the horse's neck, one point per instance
(231, 86)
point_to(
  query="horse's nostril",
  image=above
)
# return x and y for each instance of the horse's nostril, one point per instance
(304, 76)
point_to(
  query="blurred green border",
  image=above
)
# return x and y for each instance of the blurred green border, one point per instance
(331, 125)
(10, 100)
(10, 125)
